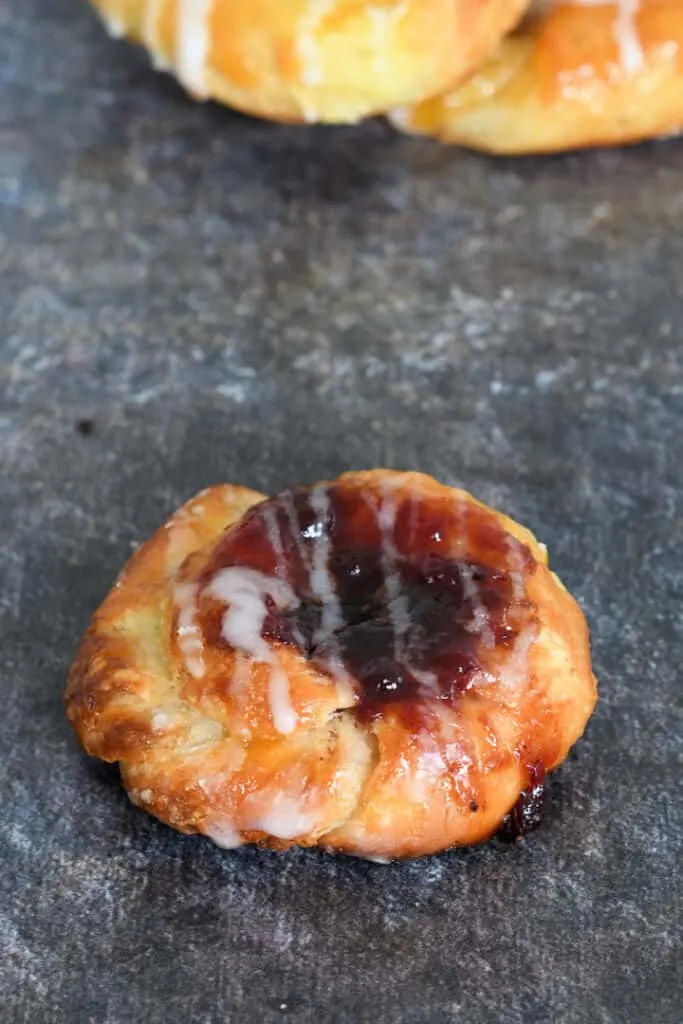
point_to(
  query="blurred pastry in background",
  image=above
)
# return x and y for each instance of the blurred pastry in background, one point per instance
(576, 73)
(314, 60)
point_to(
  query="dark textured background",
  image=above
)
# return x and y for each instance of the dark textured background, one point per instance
(230, 300)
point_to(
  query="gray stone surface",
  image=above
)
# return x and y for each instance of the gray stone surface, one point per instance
(229, 300)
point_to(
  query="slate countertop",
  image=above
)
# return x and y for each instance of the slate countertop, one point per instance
(188, 297)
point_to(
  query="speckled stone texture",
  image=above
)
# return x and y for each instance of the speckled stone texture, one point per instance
(213, 299)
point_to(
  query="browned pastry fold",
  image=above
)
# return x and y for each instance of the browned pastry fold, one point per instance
(379, 665)
(314, 60)
(576, 73)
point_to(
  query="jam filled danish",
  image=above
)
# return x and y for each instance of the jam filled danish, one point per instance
(379, 665)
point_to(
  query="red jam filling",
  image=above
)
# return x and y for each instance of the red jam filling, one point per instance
(405, 595)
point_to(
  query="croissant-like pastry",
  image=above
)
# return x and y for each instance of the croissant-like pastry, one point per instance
(380, 665)
(576, 73)
(315, 60)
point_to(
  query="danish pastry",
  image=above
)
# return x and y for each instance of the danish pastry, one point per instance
(314, 60)
(577, 73)
(380, 665)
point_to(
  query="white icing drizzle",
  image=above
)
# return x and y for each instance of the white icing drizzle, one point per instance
(188, 629)
(283, 816)
(513, 668)
(160, 720)
(307, 46)
(517, 567)
(321, 581)
(628, 40)
(151, 14)
(429, 766)
(450, 735)
(427, 679)
(311, 74)
(480, 623)
(316, 563)
(397, 603)
(274, 536)
(631, 55)
(224, 834)
(458, 756)
(192, 43)
(114, 25)
(245, 591)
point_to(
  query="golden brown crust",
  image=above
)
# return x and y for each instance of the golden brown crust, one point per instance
(572, 76)
(315, 60)
(201, 750)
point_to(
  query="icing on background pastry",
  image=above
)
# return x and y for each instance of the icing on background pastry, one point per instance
(192, 44)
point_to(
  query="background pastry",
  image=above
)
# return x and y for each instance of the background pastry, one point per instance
(314, 60)
(576, 73)
(380, 665)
